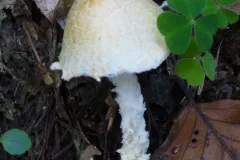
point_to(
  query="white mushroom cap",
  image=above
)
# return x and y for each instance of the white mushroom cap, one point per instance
(104, 38)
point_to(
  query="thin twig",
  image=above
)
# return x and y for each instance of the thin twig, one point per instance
(218, 52)
(10, 72)
(31, 43)
(62, 151)
(82, 135)
(105, 146)
(200, 88)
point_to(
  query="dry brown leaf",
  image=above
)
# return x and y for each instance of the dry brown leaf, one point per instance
(235, 7)
(208, 131)
(111, 111)
(54, 9)
(6, 3)
(89, 152)
(47, 7)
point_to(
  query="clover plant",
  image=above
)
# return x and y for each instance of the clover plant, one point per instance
(15, 142)
(189, 31)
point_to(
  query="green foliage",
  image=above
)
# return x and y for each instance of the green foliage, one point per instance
(225, 16)
(15, 142)
(209, 65)
(175, 35)
(189, 32)
(191, 70)
(193, 50)
(188, 8)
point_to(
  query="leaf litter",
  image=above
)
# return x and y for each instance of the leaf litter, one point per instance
(204, 131)
(79, 116)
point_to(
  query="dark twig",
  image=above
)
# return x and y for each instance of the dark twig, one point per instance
(62, 151)
(105, 146)
(218, 52)
(31, 43)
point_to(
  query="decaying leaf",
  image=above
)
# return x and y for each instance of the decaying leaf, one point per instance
(47, 7)
(204, 132)
(111, 111)
(54, 9)
(89, 152)
(6, 3)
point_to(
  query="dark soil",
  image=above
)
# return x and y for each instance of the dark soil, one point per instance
(64, 117)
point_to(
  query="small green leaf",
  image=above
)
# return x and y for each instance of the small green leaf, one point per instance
(232, 17)
(209, 23)
(191, 70)
(222, 18)
(209, 65)
(15, 141)
(167, 22)
(177, 31)
(193, 49)
(204, 38)
(210, 8)
(188, 8)
(226, 2)
(205, 27)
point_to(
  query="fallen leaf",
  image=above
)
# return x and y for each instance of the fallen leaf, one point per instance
(204, 132)
(47, 7)
(235, 7)
(7, 3)
(89, 152)
(111, 111)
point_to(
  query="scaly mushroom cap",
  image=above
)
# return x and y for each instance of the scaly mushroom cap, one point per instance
(104, 38)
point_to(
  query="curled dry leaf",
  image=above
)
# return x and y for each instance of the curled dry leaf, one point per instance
(89, 152)
(111, 110)
(204, 132)
(47, 7)
(55, 10)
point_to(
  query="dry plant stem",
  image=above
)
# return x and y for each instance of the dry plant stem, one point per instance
(31, 43)
(200, 88)
(130, 100)
(55, 156)
(218, 52)
(9, 72)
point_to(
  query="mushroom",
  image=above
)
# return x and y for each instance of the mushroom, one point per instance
(115, 39)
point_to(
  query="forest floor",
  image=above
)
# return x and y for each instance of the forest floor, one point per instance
(62, 118)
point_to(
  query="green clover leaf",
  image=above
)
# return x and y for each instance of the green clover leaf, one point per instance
(188, 35)
(226, 2)
(231, 16)
(209, 65)
(15, 142)
(225, 16)
(210, 8)
(205, 27)
(177, 28)
(191, 70)
(177, 31)
(188, 8)
(193, 50)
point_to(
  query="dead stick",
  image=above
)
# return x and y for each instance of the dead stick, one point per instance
(31, 43)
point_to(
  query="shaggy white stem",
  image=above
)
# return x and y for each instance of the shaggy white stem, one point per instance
(135, 140)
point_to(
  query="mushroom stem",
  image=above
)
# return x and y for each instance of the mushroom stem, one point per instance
(135, 140)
